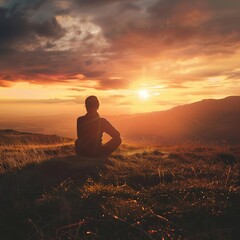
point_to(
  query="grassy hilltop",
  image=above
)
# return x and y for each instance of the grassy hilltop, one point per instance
(140, 192)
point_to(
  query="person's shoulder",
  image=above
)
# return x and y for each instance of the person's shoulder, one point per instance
(81, 118)
(103, 120)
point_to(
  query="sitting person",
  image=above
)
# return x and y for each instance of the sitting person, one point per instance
(90, 129)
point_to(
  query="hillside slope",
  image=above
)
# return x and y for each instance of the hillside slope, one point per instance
(204, 121)
(10, 137)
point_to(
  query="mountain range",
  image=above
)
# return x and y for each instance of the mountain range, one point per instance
(208, 120)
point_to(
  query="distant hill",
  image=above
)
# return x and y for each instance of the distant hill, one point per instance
(205, 121)
(12, 137)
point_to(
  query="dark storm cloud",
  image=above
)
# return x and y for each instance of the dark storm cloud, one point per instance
(99, 2)
(224, 5)
(50, 67)
(25, 5)
(170, 24)
(135, 33)
(17, 28)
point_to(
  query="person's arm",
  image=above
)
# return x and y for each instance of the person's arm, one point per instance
(78, 128)
(110, 130)
(110, 146)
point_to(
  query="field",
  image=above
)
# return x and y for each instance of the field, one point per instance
(138, 193)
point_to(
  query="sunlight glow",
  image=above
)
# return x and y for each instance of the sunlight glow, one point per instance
(143, 94)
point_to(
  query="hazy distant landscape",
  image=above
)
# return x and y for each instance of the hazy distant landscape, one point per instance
(140, 192)
(207, 121)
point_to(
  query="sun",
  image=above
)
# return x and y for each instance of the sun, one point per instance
(143, 94)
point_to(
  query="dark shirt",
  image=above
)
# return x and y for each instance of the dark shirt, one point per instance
(90, 129)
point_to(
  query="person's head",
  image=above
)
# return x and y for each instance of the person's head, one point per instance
(92, 104)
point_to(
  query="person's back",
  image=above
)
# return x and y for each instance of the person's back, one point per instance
(90, 129)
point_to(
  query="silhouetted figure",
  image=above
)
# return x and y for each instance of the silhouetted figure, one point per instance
(90, 129)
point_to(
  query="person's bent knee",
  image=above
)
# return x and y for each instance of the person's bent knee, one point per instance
(77, 142)
(77, 147)
(119, 141)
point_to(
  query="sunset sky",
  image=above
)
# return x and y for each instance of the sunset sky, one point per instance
(135, 55)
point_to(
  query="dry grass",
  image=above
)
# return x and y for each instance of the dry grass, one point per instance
(180, 192)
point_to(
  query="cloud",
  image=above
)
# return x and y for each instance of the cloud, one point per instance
(49, 42)
(95, 2)
(77, 99)
(36, 101)
(108, 83)
(16, 30)
(77, 89)
(175, 85)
